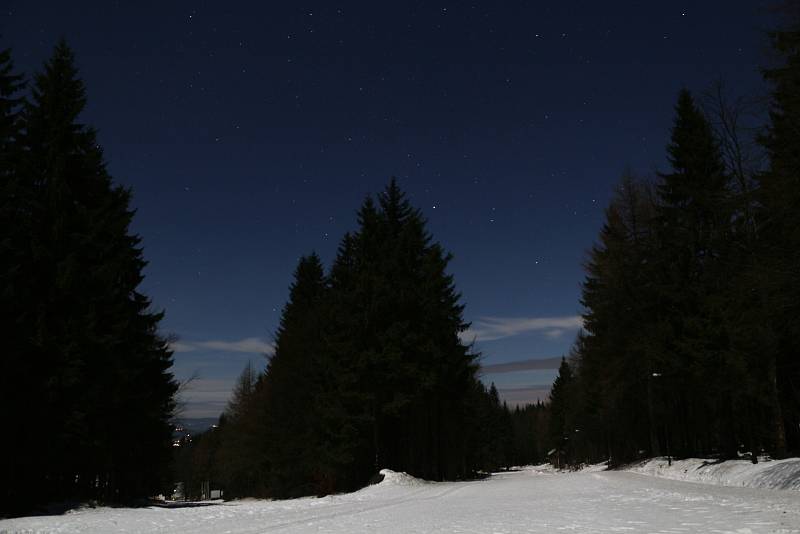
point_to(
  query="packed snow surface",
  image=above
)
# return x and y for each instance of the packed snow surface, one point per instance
(529, 500)
(771, 474)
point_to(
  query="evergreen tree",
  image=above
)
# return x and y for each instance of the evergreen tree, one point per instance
(559, 404)
(10, 101)
(292, 387)
(101, 380)
(412, 367)
(695, 216)
(14, 286)
(612, 402)
(779, 231)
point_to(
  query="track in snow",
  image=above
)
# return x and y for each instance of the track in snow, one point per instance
(525, 501)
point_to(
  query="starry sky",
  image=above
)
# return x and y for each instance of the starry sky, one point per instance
(250, 132)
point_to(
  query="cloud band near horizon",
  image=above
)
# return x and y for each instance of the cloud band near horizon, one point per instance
(494, 328)
(522, 365)
(249, 345)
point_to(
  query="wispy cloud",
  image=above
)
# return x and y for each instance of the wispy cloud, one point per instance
(180, 346)
(554, 334)
(521, 365)
(492, 328)
(250, 345)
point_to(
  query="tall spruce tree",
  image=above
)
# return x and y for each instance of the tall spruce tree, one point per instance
(559, 405)
(292, 387)
(10, 128)
(413, 368)
(101, 395)
(371, 359)
(14, 285)
(779, 228)
(616, 356)
(694, 226)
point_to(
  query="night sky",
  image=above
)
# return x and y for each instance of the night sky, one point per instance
(251, 132)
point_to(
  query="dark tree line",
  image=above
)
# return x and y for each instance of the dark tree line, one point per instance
(86, 391)
(691, 297)
(368, 372)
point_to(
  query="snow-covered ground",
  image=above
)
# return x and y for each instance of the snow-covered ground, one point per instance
(530, 500)
(770, 474)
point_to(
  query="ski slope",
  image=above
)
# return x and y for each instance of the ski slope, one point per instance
(531, 500)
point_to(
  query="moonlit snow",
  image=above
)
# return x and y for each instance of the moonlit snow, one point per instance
(769, 474)
(530, 500)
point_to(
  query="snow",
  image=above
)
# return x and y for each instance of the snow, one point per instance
(393, 478)
(769, 474)
(531, 500)
(550, 469)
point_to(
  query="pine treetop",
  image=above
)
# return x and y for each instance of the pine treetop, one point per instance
(695, 157)
(59, 95)
(780, 189)
(10, 85)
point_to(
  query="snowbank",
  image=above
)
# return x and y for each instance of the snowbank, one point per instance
(767, 474)
(393, 484)
(393, 478)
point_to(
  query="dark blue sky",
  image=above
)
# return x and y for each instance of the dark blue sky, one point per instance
(251, 132)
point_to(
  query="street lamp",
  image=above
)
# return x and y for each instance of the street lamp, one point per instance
(666, 429)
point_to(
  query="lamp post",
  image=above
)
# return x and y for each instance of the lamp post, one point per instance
(654, 447)
(666, 428)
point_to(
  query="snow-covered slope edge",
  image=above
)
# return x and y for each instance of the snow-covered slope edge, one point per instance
(550, 469)
(768, 474)
(394, 478)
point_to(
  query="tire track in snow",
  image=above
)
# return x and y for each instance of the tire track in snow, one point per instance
(388, 504)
